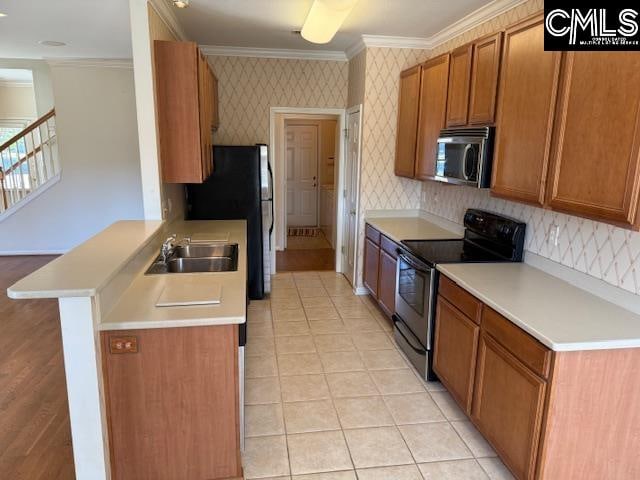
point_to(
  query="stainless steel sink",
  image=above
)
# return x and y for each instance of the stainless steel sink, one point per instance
(196, 258)
(205, 250)
(202, 264)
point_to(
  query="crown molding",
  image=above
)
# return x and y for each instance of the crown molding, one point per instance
(90, 62)
(355, 49)
(384, 41)
(165, 12)
(15, 84)
(215, 50)
(474, 19)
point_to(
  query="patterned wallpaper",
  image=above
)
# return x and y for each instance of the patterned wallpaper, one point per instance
(248, 87)
(603, 251)
(379, 187)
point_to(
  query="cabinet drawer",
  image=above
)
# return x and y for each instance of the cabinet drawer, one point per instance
(460, 298)
(526, 348)
(372, 234)
(388, 246)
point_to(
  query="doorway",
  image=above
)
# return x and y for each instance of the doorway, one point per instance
(307, 146)
(302, 151)
(351, 190)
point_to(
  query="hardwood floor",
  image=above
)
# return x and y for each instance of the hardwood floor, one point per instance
(306, 254)
(305, 260)
(35, 437)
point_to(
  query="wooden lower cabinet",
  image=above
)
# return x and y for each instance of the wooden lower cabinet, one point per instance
(387, 282)
(371, 266)
(549, 415)
(454, 360)
(379, 276)
(171, 399)
(508, 406)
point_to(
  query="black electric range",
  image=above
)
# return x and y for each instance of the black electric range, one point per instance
(488, 237)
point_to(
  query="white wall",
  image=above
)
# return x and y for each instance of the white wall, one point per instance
(17, 102)
(41, 81)
(98, 149)
(161, 200)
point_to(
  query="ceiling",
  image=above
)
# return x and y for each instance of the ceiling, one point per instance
(90, 28)
(15, 75)
(100, 28)
(268, 23)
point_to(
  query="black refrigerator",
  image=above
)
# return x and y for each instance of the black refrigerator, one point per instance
(240, 188)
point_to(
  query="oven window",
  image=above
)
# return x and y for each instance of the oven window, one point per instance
(412, 287)
(458, 160)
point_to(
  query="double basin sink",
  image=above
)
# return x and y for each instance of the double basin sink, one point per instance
(196, 258)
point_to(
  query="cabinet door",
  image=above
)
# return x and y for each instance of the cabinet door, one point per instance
(164, 403)
(433, 109)
(387, 282)
(596, 156)
(456, 345)
(371, 265)
(216, 106)
(508, 405)
(407, 122)
(204, 93)
(459, 78)
(484, 79)
(526, 100)
(178, 109)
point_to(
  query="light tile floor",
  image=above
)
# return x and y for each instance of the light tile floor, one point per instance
(329, 397)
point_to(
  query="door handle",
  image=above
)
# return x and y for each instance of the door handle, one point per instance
(352, 212)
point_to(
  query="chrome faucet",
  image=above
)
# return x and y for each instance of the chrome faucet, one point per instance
(167, 247)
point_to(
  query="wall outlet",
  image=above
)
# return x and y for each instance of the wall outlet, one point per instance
(554, 234)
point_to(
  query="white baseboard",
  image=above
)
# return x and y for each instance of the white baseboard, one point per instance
(10, 253)
(361, 291)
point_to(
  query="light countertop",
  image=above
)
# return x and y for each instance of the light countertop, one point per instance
(410, 228)
(87, 268)
(559, 315)
(136, 308)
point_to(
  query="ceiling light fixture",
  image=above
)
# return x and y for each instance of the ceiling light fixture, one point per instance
(181, 3)
(325, 18)
(51, 43)
(3, 14)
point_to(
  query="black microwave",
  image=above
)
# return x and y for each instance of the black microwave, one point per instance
(464, 156)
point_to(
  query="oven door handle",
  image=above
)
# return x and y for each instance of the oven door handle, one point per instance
(419, 351)
(412, 264)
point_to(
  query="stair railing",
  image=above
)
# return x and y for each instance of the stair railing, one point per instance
(28, 160)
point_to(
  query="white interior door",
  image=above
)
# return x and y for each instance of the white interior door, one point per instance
(350, 212)
(302, 175)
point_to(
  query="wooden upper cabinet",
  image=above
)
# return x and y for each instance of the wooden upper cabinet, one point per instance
(459, 78)
(595, 168)
(526, 100)
(432, 117)
(484, 79)
(186, 104)
(407, 122)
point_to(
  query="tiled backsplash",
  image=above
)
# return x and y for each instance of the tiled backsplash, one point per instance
(597, 249)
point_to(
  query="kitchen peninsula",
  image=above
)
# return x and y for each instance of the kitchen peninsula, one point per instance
(129, 364)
